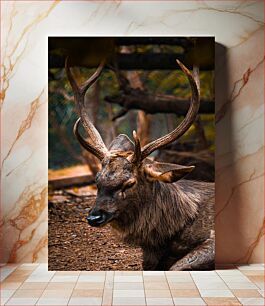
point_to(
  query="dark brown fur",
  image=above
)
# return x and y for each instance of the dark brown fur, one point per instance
(168, 220)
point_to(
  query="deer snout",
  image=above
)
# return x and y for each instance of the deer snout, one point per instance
(98, 218)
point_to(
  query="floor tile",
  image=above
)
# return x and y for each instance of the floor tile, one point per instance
(87, 293)
(156, 278)
(108, 284)
(179, 279)
(41, 271)
(43, 266)
(224, 266)
(235, 279)
(109, 281)
(110, 274)
(153, 273)
(28, 293)
(16, 278)
(129, 286)
(29, 266)
(203, 278)
(3, 300)
(107, 297)
(9, 265)
(250, 267)
(70, 273)
(7, 293)
(85, 301)
(253, 272)
(256, 278)
(5, 271)
(206, 277)
(177, 273)
(156, 285)
(188, 301)
(215, 301)
(53, 301)
(19, 272)
(56, 294)
(9, 285)
(203, 274)
(251, 301)
(94, 272)
(182, 286)
(60, 286)
(131, 301)
(211, 285)
(216, 293)
(91, 278)
(246, 293)
(128, 273)
(149, 293)
(182, 293)
(33, 286)
(261, 292)
(260, 285)
(128, 293)
(39, 278)
(179, 276)
(245, 285)
(128, 279)
(232, 272)
(86, 285)
(159, 301)
(64, 278)
(22, 301)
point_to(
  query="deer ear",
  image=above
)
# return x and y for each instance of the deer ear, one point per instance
(121, 143)
(167, 173)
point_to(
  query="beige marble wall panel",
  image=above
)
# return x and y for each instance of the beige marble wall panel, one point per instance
(238, 25)
(240, 152)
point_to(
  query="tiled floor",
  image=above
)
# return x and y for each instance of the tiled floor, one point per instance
(33, 284)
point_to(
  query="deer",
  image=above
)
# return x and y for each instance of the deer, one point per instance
(146, 202)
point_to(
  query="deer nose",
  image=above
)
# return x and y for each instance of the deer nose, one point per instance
(95, 219)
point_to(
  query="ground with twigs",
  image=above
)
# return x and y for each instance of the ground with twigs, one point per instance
(74, 245)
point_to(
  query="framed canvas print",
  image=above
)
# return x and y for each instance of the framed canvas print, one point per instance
(131, 153)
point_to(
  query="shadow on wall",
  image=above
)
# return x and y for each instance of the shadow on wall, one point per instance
(225, 158)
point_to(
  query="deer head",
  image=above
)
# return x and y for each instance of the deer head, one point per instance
(126, 171)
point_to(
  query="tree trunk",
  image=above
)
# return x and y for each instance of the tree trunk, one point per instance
(157, 103)
(143, 120)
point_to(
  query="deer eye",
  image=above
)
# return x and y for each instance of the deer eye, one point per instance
(128, 184)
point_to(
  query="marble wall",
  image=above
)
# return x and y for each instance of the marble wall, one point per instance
(237, 25)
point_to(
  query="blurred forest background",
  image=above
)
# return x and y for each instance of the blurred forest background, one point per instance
(141, 88)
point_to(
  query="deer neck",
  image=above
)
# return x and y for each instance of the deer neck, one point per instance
(161, 210)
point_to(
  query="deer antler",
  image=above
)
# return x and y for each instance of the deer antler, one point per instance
(136, 157)
(95, 145)
(184, 125)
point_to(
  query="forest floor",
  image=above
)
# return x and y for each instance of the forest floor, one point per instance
(74, 245)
